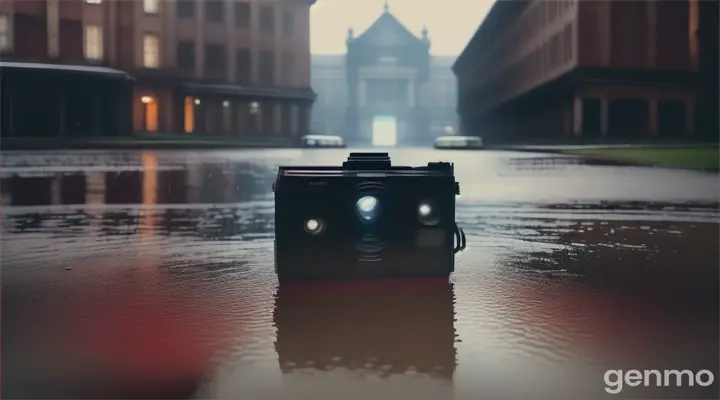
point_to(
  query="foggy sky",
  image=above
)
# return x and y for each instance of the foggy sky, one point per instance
(451, 23)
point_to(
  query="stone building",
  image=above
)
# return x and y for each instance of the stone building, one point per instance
(590, 70)
(200, 66)
(387, 89)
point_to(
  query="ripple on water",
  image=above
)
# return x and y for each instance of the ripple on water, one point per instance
(546, 294)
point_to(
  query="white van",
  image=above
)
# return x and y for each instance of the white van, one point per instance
(458, 142)
(322, 141)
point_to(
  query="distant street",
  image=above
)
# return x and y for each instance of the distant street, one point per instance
(127, 266)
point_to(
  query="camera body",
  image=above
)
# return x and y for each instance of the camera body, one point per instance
(365, 220)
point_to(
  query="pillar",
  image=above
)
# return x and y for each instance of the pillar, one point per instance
(10, 117)
(230, 51)
(111, 28)
(53, 28)
(568, 119)
(96, 113)
(60, 97)
(577, 115)
(200, 39)
(294, 118)
(267, 120)
(362, 92)
(604, 116)
(125, 110)
(303, 119)
(277, 118)
(226, 117)
(652, 40)
(653, 116)
(689, 117)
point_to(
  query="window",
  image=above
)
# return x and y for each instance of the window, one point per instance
(288, 23)
(215, 63)
(242, 15)
(185, 8)
(5, 38)
(214, 11)
(151, 51)
(93, 42)
(186, 56)
(151, 6)
(267, 68)
(243, 66)
(93, 1)
(267, 20)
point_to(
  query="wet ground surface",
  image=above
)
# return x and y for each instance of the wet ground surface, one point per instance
(149, 274)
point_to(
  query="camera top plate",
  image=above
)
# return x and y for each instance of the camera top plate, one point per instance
(367, 165)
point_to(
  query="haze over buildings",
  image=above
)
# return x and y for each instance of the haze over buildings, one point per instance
(385, 84)
(452, 22)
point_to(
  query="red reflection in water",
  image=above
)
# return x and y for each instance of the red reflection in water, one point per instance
(121, 335)
(620, 328)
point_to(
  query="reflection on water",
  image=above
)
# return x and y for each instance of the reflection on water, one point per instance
(208, 184)
(367, 328)
(142, 276)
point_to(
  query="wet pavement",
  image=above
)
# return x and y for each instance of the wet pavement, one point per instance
(149, 275)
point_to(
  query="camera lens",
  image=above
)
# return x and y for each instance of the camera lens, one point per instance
(426, 214)
(313, 226)
(367, 207)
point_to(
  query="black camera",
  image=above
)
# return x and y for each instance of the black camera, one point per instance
(385, 328)
(366, 219)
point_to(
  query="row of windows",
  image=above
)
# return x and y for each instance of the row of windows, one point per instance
(531, 24)
(149, 6)
(215, 13)
(226, 116)
(94, 49)
(215, 63)
(553, 54)
(540, 17)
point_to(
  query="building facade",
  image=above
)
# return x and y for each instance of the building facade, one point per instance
(386, 74)
(568, 69)
(209, 67)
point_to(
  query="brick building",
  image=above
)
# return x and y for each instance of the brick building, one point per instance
(214, 66)
(568, 69)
